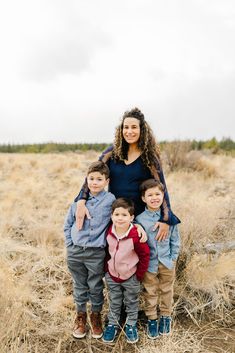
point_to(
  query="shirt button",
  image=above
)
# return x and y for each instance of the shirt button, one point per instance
(92, 204)
(91, 228)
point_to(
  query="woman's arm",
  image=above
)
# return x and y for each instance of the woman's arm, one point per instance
(83, 193)
(81, 213)
(168, 217)
(141, 233)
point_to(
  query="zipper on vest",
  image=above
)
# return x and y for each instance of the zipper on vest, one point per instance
(114, 258)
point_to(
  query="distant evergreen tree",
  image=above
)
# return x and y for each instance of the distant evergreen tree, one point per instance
(227, 144)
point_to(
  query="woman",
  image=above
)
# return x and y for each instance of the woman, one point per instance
(133, 158)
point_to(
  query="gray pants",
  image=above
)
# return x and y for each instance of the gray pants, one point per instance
(127, 292)
(86, 266)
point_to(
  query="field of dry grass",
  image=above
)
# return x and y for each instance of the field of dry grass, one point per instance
(36, 304)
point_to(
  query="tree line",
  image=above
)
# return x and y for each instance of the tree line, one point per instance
(225, 144)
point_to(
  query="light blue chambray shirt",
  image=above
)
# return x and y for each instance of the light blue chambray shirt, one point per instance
(93, 231)
(165, 251)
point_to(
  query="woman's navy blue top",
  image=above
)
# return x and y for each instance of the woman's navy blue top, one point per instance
(125, 180)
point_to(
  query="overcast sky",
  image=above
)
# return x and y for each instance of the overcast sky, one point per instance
(69, 69)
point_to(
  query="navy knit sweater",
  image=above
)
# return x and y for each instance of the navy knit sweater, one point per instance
(125, 181)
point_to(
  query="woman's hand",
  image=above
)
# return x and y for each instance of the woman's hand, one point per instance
(81, 213)
(142, 233)
(162, 231)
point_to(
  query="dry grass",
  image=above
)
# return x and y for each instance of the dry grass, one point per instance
(177, 155)
(36, 304)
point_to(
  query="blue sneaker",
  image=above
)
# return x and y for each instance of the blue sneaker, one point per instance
(109, 334)
(152, 329)
(131, 333)
(165, 325)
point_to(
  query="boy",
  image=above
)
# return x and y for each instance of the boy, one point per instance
(128, 260)
(163, 255)
(86, 250)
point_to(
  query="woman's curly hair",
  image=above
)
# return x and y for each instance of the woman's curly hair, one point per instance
(150, 151)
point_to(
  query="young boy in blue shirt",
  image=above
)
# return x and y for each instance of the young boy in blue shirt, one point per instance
(160, 276)
(86, 250)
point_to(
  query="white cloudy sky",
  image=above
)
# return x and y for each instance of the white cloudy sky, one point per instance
(69, 69)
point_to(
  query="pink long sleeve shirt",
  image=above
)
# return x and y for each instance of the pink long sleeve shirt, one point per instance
(126, 256)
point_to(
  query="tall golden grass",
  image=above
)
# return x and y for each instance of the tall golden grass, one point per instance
(36, 304)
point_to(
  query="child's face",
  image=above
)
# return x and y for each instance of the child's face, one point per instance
(153, 198)
(121, 218)
(96, 182)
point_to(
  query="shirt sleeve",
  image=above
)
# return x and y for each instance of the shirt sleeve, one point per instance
(107, 254)
(175, 243)
(69, 221)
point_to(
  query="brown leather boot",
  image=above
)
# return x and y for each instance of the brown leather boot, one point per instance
(96, 325)
(79, 329)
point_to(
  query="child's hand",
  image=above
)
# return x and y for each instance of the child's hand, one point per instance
(142, 234)
(81, 212)
(162, 231)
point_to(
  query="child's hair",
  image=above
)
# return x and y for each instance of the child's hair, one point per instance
(150, 183)
(100, 167)
(125, 203)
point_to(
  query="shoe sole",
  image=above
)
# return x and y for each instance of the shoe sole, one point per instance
(108, 341)
(79, 336)
(153, 337)
(132, 342)
(96, 336)
(164, 334)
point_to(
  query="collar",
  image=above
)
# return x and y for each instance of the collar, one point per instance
(98, 197)
(153, 213)
(124, 235)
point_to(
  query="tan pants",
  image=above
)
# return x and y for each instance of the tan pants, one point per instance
(161, 284)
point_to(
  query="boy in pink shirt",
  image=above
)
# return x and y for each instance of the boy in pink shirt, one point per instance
(127, 262)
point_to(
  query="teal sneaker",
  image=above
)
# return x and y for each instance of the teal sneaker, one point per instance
(152, 329)
(164, 325)
(109, 334)
(131, 333)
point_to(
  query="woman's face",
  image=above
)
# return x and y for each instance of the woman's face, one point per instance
(131, 130)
